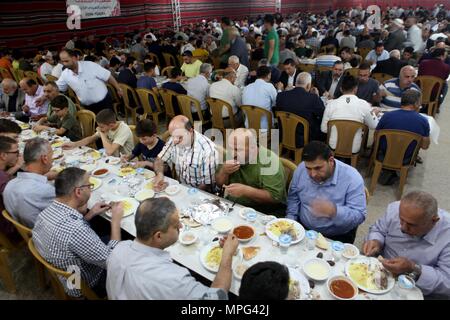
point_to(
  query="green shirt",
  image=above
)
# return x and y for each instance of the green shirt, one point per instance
(72, 108)
(225, 40)
(272, 35)
(254, 175)
(70, 123)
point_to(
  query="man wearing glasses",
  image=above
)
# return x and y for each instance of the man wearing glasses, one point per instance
(64, 237)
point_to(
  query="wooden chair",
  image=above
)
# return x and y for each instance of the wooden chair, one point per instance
(397, 142)
(431, 89)
(169, 60)
(6, 73)
(324, 68)
(133, 130)
(6, 274)
(115, 97)
(87, 122)
(323, 50)
(254, 115)
(49, 77)
(216, 107)
(25, 233)
(166, 71)
(346, 130)
(33, 75)
(381, 77)
(185, 103)
(289, 123)
(305, 67)
(289, 169)
(56, 274)
(366, 191)
(144, 97)
(363, 52)
(165, 136)
(167, 97)
(352, 71)
(155, 58)
(130, 101)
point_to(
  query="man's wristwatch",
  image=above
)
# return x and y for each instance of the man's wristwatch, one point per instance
(417, 271)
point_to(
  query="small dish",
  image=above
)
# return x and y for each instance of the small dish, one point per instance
(222, 225)
(172, 189)
(350, 251)
(244, 233)
(317, 269)
(265, 219)
(144, 195)
(187, 238)
(101, 172)
(342, 288)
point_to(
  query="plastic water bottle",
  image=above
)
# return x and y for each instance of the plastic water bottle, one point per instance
(311, 237)
(285, 241)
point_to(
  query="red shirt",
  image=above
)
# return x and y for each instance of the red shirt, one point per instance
(434, 67)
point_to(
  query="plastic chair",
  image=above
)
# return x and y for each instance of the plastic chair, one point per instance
(363, 52)
(6, 274)
(167, 97)
(352, 71)
(55, 275)
(133, 130)
(216, 107)
(115, 97)
(166, 71)
(346, 131)
(130, 101)
(165, 136)
(71, 94)
(33, 75)
(6, 73)
(397, 142)
(381, 77)
(289, 169)
(305, 67)
(87, 122)
(144, 97)
(169, 59)
(431, 89)
(155, 58)
(49, 77)
(324, 69)
(289, 123)
(185, 102)
(254, 115)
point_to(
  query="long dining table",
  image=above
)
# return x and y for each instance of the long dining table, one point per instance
(117, 186)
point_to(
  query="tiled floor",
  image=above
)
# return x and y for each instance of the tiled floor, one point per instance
(432, 176)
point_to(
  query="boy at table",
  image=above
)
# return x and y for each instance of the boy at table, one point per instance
(61, 119)
(116, 136)
(149, 146)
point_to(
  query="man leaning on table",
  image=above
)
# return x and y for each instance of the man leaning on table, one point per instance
(193, 154)
(413, 237)
(326, 194)
(142, 269)
(116, 136)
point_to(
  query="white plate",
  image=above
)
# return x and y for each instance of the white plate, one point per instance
(322, 262)
(126, 211)
(148, 174)
(354, 248)
(112, 160)
(298, 227)
(172, 189)
(144, 194)
(367, 261)
(302, 282)
(204, 253)
(96, 181)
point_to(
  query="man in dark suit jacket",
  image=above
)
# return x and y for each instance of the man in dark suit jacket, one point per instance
(127, 75)
(290, 71)
(329, 82)
(390, 66)
(302, 102)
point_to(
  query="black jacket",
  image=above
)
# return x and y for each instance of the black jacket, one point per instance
(390, 66)
(324, 83)
(285, 77)
(306, 105)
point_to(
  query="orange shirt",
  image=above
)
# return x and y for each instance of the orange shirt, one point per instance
(5, 63)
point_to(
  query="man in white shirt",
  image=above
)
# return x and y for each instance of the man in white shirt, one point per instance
(349, 107)
(33, 93)
(143, 270)
(241, 71)
(47, 66)
(414, 37)
(260, 94)
(226, 90)
(198, 87)
(88, 81)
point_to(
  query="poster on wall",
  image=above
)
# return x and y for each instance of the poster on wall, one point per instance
(90, 9)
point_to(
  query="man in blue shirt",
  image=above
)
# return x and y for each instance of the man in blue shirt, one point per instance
(327, 195)
(148, 82)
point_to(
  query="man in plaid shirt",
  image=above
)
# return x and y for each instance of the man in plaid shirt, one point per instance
(64, 238)
(193, 154)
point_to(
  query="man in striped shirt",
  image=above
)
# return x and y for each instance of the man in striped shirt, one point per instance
(392, 89)
(193, 154)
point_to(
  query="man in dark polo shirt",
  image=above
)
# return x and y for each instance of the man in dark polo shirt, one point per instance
(368, 88)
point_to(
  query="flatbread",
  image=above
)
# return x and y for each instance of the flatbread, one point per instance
(250, 252)
(190, 222)
(321, 242)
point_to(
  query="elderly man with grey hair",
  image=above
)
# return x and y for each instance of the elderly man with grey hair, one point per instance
(303, 101)
(13, 97)
(241, 71)
(392, 90)
(143, 270)
(198, 87)
(30, 193)
(413, 237)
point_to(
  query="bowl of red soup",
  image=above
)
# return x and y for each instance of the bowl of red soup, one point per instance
(244, 233)
(342, 288)
(100, 172)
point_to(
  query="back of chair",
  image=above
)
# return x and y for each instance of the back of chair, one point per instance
(165, 136)
(33, 75)
(133, 130)
(155, 58)
(114, 96)
(352, 71)
(144, 96)
(289, 123)
(24, 231)
(397, 142)
(167, 99)
(169, 60)
(255, 114)
(87, 122)
(49, 77)
(346, 131)
(289, 169)
(305, 67)
(6, 74)
(185, 102)
(381, 77)
(431, 88)
(363, 52)
(324, 68)
(366, 191)
(216, 107)
(72, 95)
(166, 71)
